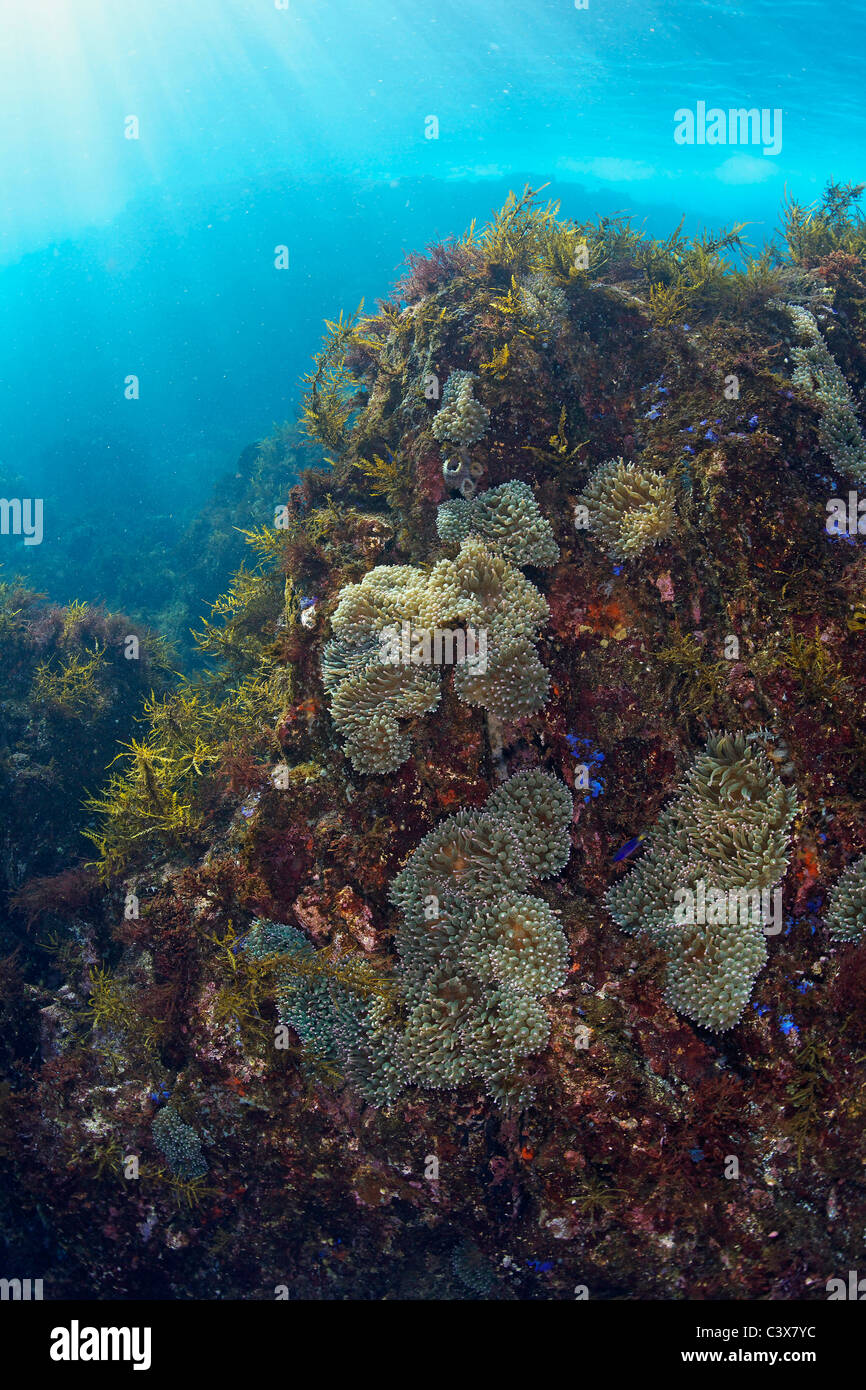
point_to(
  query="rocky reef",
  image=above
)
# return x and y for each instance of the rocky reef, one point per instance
(486, 921)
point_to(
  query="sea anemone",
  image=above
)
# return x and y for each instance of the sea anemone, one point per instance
(460, 419)
(630, 508)
(179, 1144)
(508, 518)
(729, 829)
(846, 910)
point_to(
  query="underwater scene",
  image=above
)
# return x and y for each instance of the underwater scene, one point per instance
(432, 655)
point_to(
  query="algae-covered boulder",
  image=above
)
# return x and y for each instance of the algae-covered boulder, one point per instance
(493, 970)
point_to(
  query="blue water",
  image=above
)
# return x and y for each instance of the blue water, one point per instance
(350, 131)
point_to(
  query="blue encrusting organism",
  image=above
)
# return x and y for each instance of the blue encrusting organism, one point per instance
(590, 757)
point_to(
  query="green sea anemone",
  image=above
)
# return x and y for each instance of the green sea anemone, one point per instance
(728, 830)
(630, 508)
(846, 910)
(460, 418)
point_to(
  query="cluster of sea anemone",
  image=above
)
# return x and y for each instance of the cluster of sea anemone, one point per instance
(461, 419)
(507, 518)
(477, 951)
(385, 662)
(717, 851)
(816, 370)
